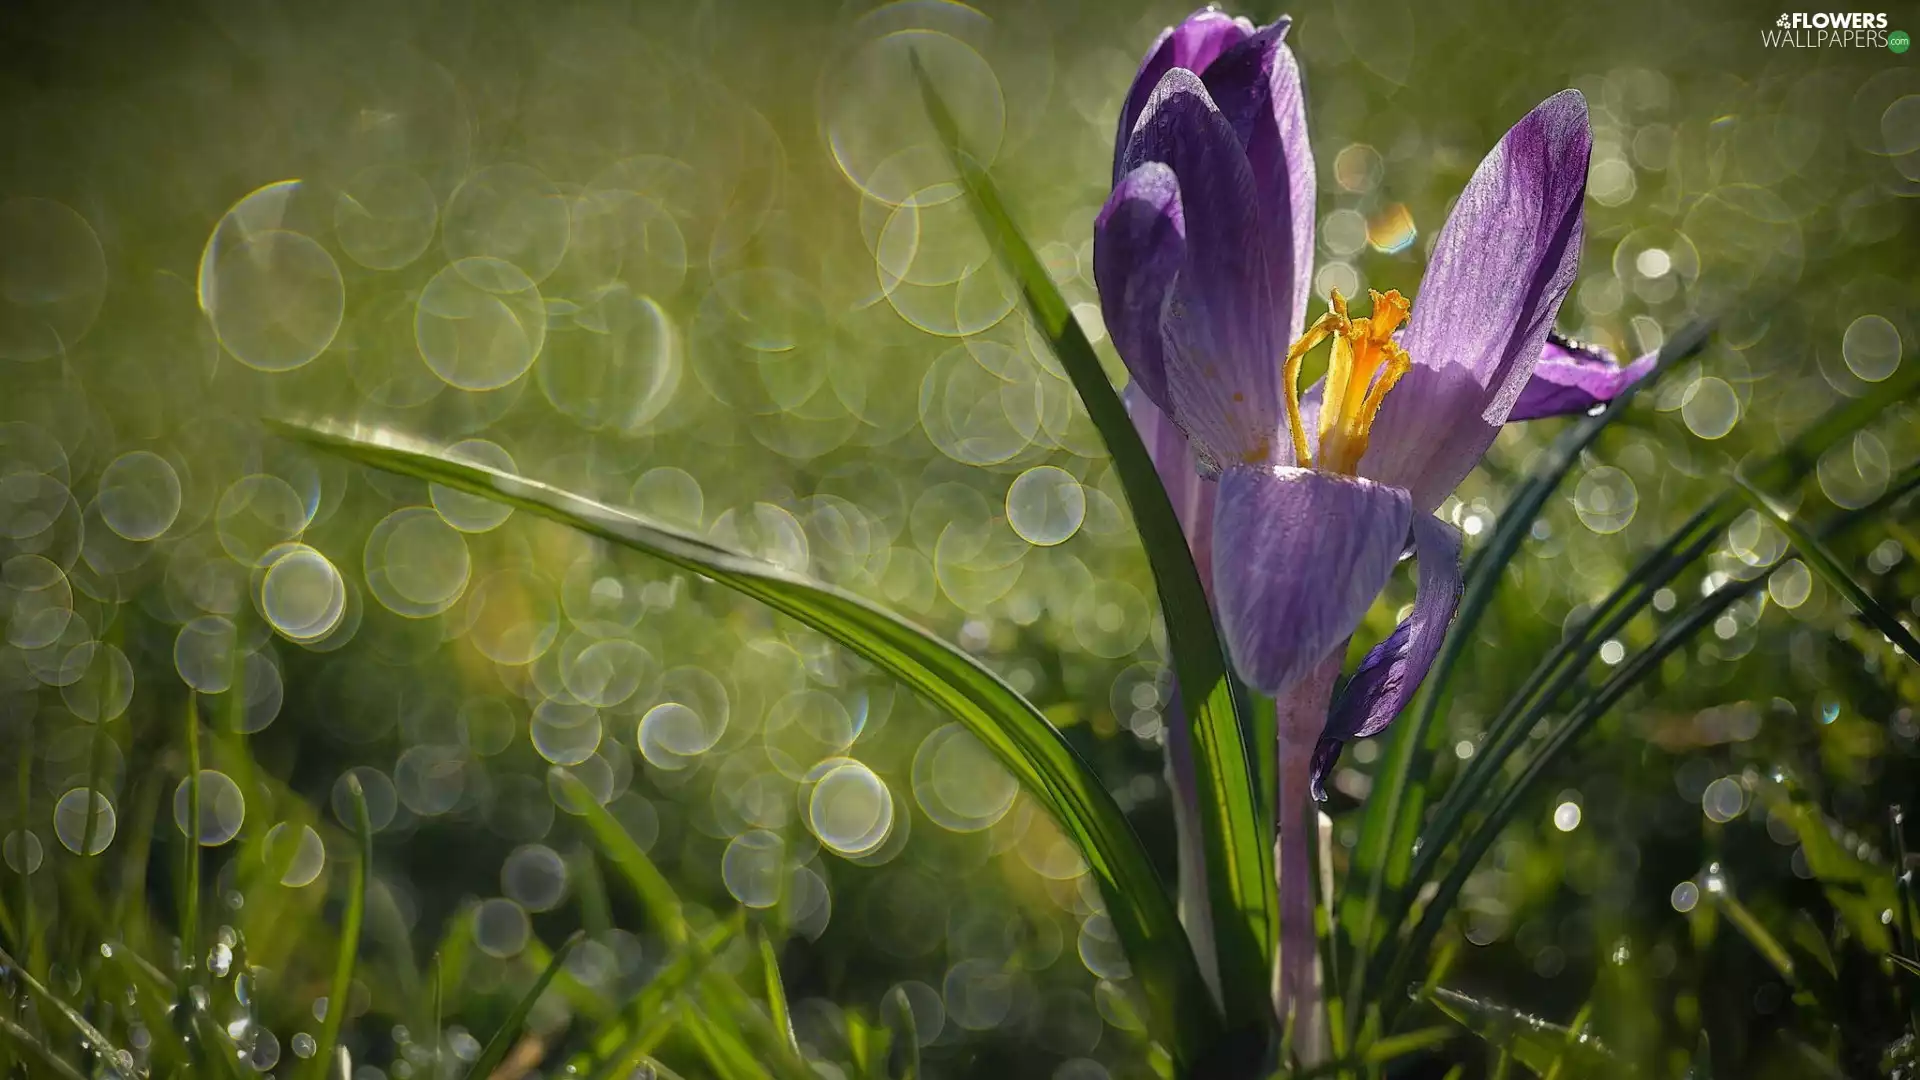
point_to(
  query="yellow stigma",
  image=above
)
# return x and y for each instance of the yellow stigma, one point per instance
(1362, 350)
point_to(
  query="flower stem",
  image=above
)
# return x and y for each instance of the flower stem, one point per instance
(1296, 991)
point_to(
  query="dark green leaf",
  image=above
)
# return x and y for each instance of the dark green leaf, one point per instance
(1823, 563)
(20, 1036)
(1588, 710)
(1239, 851)
(496, 1049)
(903, 1044)
(1533, 1042)
(1382, 855)
(777, 996)
(355, 917)
(1024, 741)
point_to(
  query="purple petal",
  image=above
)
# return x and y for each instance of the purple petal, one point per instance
(1257, 86)
(1139, 242)
(1310, 551)
(1394, 669)
(1500, 268)
(1574, 376)
(1192, 496)
(1217, 325)
(1193, 45)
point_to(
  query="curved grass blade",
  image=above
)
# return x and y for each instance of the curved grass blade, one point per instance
(356, 914)
(616, 1051)
(649, 884)
(190, 905)
(1024, 741)
(1572, 657)
(437, 1028)
(502, 1041)
(1756, 933)
(1589, 710)
(719, 1029)
(1238, 851)
(20, 1036)
(1380, 1052)
(903, 1045)
(777, 996)
(141, 970)
(92, 1036)
(1539, 1045)
(1382, 853)
(1828, 567)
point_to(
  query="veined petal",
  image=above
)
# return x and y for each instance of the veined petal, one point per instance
(1191, 494)
(1256, 84)
(1193, 45)
(1308, 553)
(1139, 243)
(1394, 669)
(1574, 376)
(1217, 325)
(1500, 268)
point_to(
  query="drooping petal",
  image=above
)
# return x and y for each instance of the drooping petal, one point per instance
(1217, 326)
(1303, 555)
(1256, 83)
(1574, 376)
(1139, 243)
(1192, 496)
(1394, 669)
(1193, 45)
(1500, 268)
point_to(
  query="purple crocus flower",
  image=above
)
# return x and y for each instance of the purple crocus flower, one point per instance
(1203, 258)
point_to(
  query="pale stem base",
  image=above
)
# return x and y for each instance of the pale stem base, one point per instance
(1300, 715)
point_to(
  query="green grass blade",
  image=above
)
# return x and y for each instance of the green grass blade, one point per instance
(20, 1036)
(618, 1049)
(649, 884)
(1571, 658)
(1239, 853)
(1582, 717)
(1533, 1042)
(777, 996)
(1756, 932)
(350, 924)
(1911, 967)
(92, 1036)
(724, 1049)
(1031, 748)
(722, 1025)
(502, 1041)
(436, 1029)
(903, 1044)
(1390, 821)
(1828, 567)
(190, 906)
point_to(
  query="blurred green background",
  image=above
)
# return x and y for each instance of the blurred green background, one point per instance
(699, 259)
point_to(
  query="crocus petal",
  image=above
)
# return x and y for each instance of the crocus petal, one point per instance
(1139, 243)
(1217, 325)
(1193, 45)
(1308, 553)
(1257, 86)
(1394, 669)
(1574, 376)
(1191, 495)
(1500, 268)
